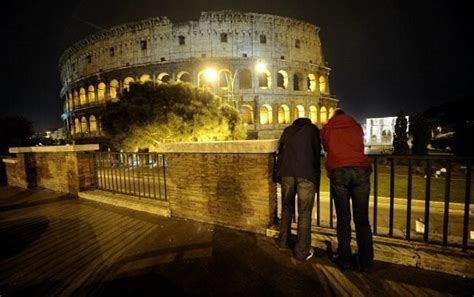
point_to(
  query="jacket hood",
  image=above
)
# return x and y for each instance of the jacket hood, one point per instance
(301, 122)
(341, 121)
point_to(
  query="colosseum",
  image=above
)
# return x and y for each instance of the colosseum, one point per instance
(271, 68)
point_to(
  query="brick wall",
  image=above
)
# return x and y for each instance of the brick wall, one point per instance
(66, 169)
(228, 184)
(15, 172)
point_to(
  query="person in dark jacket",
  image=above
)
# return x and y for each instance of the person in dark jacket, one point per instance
(298, 170)
(349, 172)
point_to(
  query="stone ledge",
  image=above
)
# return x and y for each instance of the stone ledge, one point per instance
(221, 147)
(10, 160)
(417, 254)
(55, 149)
(156, 207)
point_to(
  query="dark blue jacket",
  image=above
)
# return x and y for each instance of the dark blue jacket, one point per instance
(299, 151)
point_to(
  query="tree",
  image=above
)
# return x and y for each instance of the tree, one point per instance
(149, 114)
(14, 131)
(400, 137)
(420, 130)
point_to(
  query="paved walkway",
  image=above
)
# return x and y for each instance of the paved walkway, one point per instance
(54, 245)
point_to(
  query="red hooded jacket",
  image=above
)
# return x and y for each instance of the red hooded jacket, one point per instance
(343, 141)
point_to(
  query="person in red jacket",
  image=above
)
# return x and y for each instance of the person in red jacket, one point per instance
(349, 172)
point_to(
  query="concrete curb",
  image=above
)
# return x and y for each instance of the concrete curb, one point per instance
(416, 254)
(156, 207)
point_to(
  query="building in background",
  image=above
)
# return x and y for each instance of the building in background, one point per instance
(379, 131)
(271, 68)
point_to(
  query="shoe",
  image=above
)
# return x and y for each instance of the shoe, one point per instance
(310, 254)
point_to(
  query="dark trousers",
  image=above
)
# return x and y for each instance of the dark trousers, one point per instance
(290, 186)
(353, 183)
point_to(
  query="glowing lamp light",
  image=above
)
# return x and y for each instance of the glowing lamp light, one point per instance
(210, 74)
(261, 67)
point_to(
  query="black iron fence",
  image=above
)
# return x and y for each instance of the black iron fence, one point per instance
(137, 174)
(416, 198)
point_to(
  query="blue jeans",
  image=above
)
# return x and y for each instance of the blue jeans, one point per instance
(353, 183)
(290, 186)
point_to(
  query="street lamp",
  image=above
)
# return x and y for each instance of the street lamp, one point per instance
(211, 75)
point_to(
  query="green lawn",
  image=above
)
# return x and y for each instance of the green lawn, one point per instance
(457, 192)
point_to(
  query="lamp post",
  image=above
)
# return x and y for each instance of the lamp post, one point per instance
(212, 76)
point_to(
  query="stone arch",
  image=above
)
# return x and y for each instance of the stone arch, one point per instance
(282, 79)
(127, 81)
(71, 102)
(247, 114)
(323, 115)
(82, 96)
(264, 79)
(299, 111)
(283, 114)
(76, 98)
(202, 80)
(77, 126)
(266, 114)
(92, 124)
(91, 93)
(163, 77)
(322, 84)
(224, 79)
(84, 126)
(144, 78)
(245, 79)
(311, 82)
(113, 88)
(297, 81)
(101, 92)
(184, 76)
(313, 114)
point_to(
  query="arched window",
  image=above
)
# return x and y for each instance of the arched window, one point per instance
(224, 79)
(76, 99)
(299, 111)
(184, 76)
(323, 115)
(93, 124)
(71, 102)
(266, 116)
(283, 114)
(203, 81)
(311, 82)
(163, 78)
(144, 78)
(297, 82)
(331, 112)
(91, 92)
(84, 128)
(245, 79)
(82, 96)
(247, 114)
(322, 84)
(282, 79)
(313, 114)
(264, 79)
(114, 85)
(101, 92)
(126, 83)
(77, 126)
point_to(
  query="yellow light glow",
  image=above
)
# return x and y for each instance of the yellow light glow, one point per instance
(210, 74)
(261, 67)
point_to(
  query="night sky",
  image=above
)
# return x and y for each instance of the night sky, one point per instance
(385, 55)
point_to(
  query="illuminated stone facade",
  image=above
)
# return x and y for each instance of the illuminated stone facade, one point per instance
(271, 68)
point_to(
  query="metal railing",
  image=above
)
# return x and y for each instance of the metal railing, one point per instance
(419, 204)
(137, 174)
